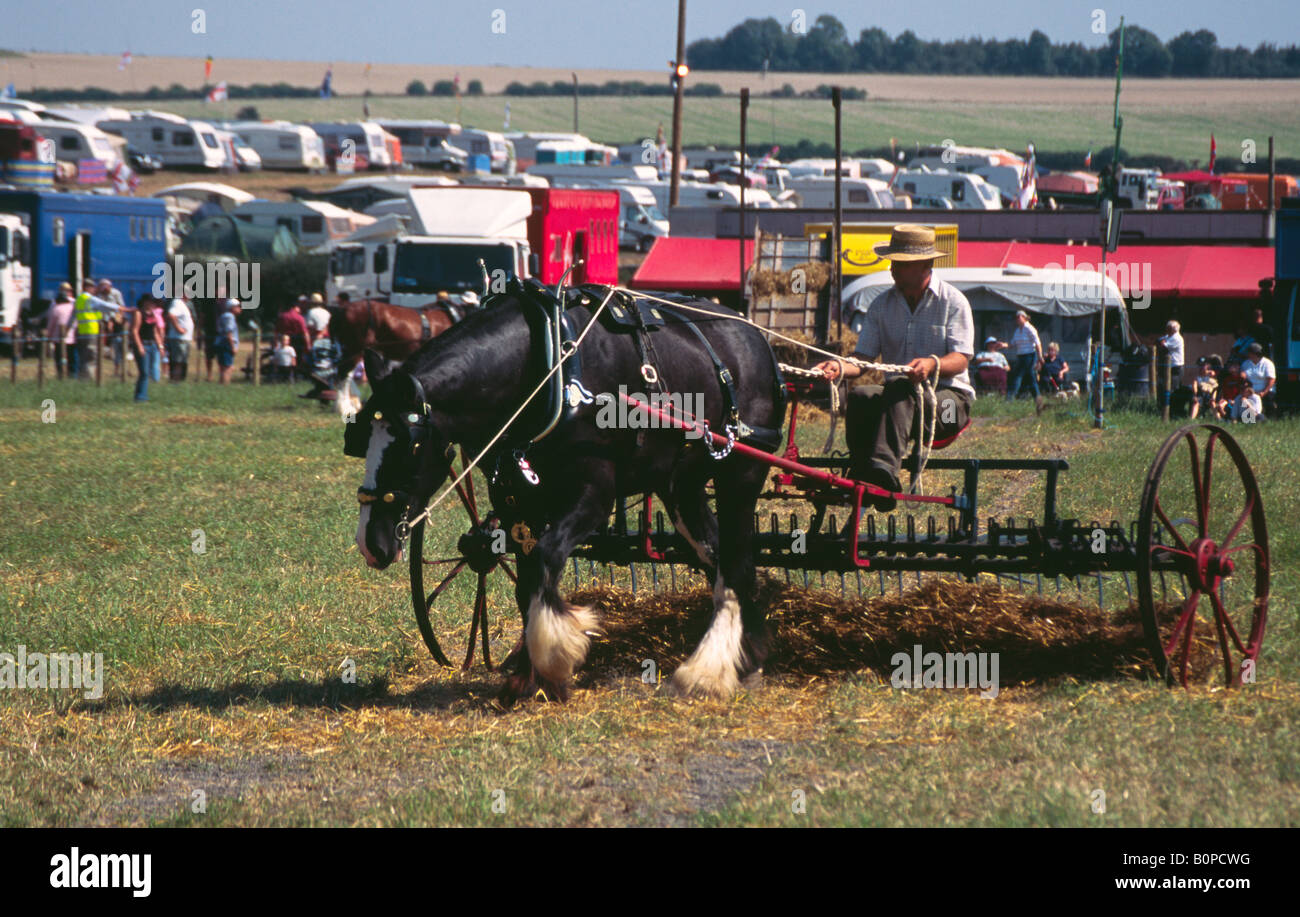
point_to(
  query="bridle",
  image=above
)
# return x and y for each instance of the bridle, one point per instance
(419, 430)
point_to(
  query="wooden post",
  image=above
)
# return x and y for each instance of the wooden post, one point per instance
(16, 347)
(61, 354)
(1151, 376)
(257, 353)
(1169, 375)
(41, 344)
(99, 355)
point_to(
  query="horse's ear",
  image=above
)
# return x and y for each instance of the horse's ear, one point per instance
(376, 366)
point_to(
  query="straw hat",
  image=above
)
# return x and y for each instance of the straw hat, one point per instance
(909, 242)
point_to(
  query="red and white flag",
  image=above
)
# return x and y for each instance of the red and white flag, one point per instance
(1212, 151)
(125, 181)
(219, 93)
(125, 61)
(1028, 197)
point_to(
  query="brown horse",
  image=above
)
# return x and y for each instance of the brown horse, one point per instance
(395, 332)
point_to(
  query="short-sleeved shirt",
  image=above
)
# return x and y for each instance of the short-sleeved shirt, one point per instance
(991, 358)
(942, 324)
(318, 318)
(181, 313)
(60, 317)
(1054, 367)
(226, 324)
(1258, 374)
(1173, 344)
(1025, 340)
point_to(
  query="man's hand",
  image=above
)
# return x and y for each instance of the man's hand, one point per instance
(920, 369)
(831, 369)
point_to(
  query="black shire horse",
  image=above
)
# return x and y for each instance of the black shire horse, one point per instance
(475, 375)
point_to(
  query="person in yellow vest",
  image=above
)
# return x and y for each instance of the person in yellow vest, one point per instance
(90, 313)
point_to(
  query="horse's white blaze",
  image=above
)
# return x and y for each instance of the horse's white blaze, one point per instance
(701, 551)
(380, 439)
(712, 669)
(557, 639)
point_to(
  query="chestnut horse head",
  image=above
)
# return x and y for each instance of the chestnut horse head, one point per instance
(394, 332)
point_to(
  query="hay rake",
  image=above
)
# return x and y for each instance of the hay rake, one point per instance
(1196, 558)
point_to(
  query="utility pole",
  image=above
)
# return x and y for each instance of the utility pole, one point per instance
(680, 71)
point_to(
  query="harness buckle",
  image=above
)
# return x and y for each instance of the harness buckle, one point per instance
(649, 374)
(526, 469)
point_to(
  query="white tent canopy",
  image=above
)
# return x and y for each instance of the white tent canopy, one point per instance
(1061, 297)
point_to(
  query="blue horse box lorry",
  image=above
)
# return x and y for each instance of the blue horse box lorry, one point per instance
(75, 236)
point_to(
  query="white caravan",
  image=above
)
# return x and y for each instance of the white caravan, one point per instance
(819, 192)
(312, 223)
(178, 142)
(700, 194)
(475, 142)
(567, 173)
(804, 168)
(282, 145)
(966, 191)
(76, 142)
(367, 138)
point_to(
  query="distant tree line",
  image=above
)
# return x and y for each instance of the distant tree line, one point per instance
(608, 88)
(174, 91)
(764, 44)
(443, 88)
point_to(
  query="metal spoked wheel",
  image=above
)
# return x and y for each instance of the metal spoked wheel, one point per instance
(471, 556)
(1202, 528)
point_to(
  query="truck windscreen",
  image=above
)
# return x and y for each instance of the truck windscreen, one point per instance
(432, 267)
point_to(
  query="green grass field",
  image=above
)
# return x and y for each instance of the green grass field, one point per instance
(225, 670)
(1180, 129)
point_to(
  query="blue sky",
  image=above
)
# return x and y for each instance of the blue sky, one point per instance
(633, 34)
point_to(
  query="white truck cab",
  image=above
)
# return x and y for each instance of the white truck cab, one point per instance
(15, 269)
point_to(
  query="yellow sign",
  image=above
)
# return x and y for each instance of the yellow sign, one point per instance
(858, 242)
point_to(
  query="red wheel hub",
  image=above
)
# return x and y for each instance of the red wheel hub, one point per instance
(1209, 565)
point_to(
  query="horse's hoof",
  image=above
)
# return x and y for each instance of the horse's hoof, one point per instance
(531, 686)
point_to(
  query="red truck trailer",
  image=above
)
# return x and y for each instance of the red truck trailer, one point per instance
(575, 221)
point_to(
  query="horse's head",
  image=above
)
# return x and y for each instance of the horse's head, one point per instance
(405, 459)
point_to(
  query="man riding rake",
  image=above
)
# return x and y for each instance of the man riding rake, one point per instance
(925, 324)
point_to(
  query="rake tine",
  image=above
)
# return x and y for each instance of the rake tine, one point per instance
(631, 569)
(857, 574)
(1100, 598)
(577, 578)
(1039, 577)
(900, 582)
(672, 572)
(1128, 588)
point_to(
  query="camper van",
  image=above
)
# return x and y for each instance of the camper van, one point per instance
(699, 194)
(282, 145)
(15, 270)
(487, 150)
(367, 138)
(78, 142)
(966, 191)
(555, 147)
(963, 158)
(819, 192)
(805, 168)
(312, 223)
(424, 143)
(569, 173)
(178, 142)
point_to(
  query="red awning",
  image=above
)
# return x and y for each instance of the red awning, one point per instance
(1189, 271)
(683, 263)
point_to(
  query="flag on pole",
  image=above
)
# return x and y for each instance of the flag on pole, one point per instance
(125, 61)
(218, 93)
(506, 126)
(367, 69)
(207, 68)
(1028, 196)
(326, 90)
(1212, 151)
(1087, 160)
(8, 92)
(125, 181)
